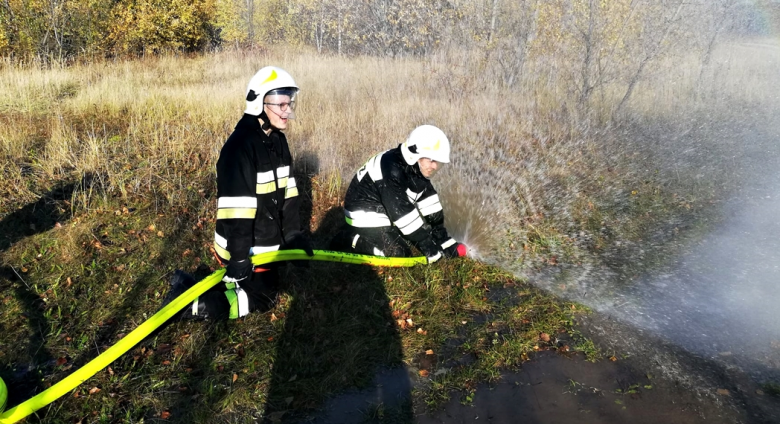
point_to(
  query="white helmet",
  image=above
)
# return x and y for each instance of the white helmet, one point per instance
(426, 141)
(270, 78)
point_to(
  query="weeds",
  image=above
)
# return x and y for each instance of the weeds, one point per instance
(108, 186)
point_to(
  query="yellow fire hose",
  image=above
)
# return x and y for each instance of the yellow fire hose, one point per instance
(70, 382)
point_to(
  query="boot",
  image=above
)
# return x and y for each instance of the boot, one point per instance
(180, 283)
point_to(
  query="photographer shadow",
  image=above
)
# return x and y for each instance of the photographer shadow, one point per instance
(339, 357)
(34, 218)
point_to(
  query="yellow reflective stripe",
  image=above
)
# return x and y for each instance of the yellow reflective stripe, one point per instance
(232, 213)
(291, 192)
(233, 301)
(222, 252)
(266, 188)
(283, 182)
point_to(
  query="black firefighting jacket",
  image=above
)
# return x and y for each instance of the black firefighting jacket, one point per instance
(387, 191)
(258, 199)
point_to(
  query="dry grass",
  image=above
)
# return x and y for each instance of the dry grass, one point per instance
(122, 154)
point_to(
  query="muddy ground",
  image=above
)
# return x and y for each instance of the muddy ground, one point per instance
(651, 382)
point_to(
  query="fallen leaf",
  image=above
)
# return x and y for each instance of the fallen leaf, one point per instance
(423, 373)
(396, 314)
(94, 390)
(273, 317)
(165, 415)
(401, 323)
(166, 362)
(160, 234)
(429, 352)
(61, 361)
(545, 337)
(723, 392)
(110, 371)
(612, 358)
(235, 377)
(421, 331)
(68, 282)
(410, 322)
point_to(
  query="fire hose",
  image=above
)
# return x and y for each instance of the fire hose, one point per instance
(79, 376)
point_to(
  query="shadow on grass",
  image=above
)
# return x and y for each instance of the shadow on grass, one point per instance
(338, 336)
(29, 220)
(94, 286)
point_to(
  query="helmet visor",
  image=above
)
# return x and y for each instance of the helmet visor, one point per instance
(282, 102)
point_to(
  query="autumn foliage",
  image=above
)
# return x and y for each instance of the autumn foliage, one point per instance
(592, 31)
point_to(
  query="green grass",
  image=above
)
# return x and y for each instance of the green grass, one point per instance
(335, 326)
(108, 186)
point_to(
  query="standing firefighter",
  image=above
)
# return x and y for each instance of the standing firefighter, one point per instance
(257, 206)
(391, 202)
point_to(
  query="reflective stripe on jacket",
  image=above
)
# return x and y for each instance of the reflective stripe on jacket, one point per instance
(257, 195)
(387, 191)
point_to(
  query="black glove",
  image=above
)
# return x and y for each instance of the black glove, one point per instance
(238, 271)
(455, 251)
(298, 240)
(430, 250)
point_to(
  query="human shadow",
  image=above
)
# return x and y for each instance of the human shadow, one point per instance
(339, 357)
(34, 218)
(25, 379)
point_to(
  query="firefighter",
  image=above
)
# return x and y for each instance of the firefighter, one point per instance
(257, 203)
(391, 203)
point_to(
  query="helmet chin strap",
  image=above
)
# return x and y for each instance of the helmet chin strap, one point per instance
(266, 125)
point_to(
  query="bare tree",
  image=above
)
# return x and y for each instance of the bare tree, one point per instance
(655, 40)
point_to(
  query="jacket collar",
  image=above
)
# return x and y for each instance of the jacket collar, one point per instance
(252, 123)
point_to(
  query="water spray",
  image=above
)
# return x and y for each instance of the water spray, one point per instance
(70, 382)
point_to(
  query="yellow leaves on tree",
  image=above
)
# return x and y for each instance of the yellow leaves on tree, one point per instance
(152, 26)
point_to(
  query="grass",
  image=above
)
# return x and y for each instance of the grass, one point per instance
(108, 186)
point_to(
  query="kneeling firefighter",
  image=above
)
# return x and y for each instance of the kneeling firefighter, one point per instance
(391, 203)
(257, 205)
